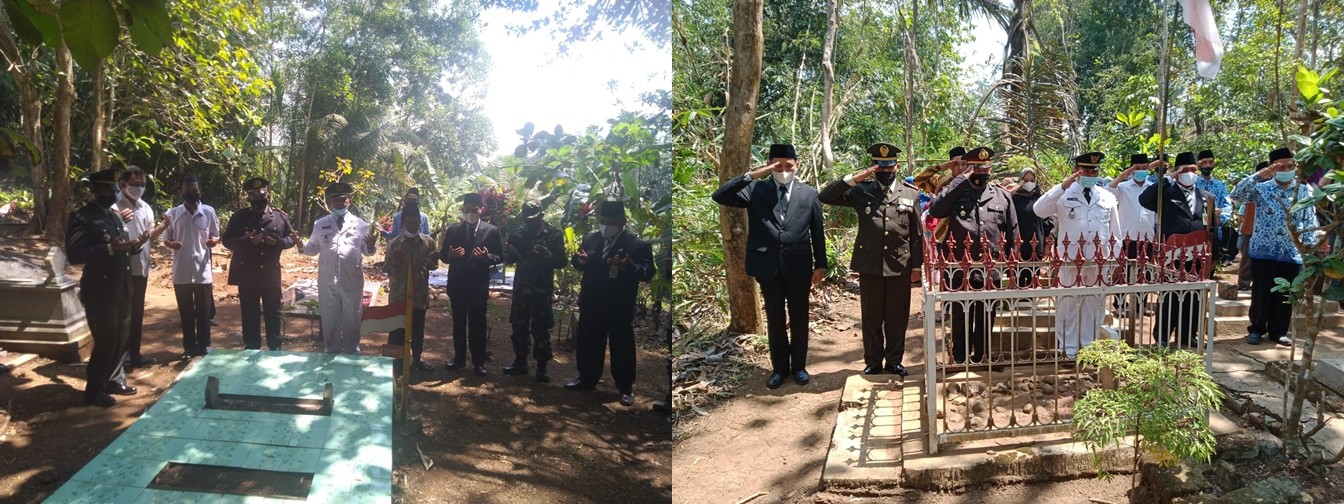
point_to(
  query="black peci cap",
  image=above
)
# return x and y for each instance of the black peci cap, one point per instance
(783, 151)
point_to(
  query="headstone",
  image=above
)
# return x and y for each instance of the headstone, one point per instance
(41, 312)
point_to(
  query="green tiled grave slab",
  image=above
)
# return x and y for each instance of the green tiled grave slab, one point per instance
(349, 453)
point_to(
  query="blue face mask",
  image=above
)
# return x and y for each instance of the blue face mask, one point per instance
(1140, 175)
(1088, 181)
(1284, 176)
(340, 212)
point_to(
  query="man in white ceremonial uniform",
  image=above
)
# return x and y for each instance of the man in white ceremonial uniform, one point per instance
(1084, 213)
(340, 241)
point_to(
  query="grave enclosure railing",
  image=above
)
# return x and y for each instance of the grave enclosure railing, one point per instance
(1001, 331)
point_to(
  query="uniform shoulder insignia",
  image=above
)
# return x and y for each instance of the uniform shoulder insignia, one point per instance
(907, 184)
(281, 212)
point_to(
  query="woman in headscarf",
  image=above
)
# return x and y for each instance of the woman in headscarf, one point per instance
(1030, 227)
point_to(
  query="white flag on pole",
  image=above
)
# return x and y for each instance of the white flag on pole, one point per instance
(1208, 45)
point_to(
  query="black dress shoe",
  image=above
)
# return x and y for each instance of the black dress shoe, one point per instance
(422, 366)
(872, 369)
(801, 377)
(578, 384)
(897, 369)
(103, 400)
(776, 379)
(480, 371)
(516, 369)
(120, 389)
(453, 366)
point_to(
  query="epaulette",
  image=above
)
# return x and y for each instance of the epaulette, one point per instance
(907, 184)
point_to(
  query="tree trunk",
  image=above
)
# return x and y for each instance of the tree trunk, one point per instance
(60, 145)
(96, 131)
(302, 199)
(911, 67)
(828, 85)
(797, 97)
(31, 115)
(1301, 42)
(739, 121)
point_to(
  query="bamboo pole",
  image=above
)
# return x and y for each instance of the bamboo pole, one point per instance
(1164, 88)
(406, 341)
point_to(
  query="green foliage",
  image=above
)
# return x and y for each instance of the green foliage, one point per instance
(91, 29)
(1162, 403)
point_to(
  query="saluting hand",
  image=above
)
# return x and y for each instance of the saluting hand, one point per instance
(863, 174)
(1069, 181)
(762, 171)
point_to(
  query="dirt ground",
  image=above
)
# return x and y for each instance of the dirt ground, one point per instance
(492, 439)
(779, 438)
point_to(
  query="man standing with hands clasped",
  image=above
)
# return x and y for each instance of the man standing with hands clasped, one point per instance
(193, 231)
(470, 248)
(340, 241)
(786, 253)
(256, 235)
(886, 253)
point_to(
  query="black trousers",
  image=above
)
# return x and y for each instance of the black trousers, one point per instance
(398, 336)
(138, 287)
(599, 326)
(971, 321)
(193, 306)
(109, 318)
(884, 306)
(469, 327)
(1180, 312)
(532, 318)
(1270, 314)
(788, 351)
(256, 302)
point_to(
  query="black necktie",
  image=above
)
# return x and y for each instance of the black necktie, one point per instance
(471, 235)
(340, 222)
(1087, 194)
(783, 205)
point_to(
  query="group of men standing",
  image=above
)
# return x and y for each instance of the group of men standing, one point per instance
(978, 219)
(109, 236)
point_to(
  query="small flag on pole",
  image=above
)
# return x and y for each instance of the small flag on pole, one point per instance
(1208, 45)
(381, 319)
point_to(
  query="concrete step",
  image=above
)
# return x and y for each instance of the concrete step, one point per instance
(1330, 319)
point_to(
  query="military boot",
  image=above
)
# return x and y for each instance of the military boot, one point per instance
(542, 376)
(519, 367)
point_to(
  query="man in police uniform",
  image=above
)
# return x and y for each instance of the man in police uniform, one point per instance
(1086, 214)
(256, 235)
(96, 238)
(538, 249)
(975, 210)
(886, 252)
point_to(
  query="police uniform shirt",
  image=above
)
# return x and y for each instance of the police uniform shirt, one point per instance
(142, 220)
(888, 242)
(1269, 238)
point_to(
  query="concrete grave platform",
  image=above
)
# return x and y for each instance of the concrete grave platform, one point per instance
(348, 454)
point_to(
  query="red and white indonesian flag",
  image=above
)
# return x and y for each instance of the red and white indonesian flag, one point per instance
(381, 319)
(1208, 45)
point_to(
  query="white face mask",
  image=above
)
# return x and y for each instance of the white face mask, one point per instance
(409, 233)
(472, 218)
(1186, 179)
(135, 192)
(782, 177)
(1029, 185)
(609, 232)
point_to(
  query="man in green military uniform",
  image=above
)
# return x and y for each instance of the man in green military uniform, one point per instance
(886, 252)
(539, 250)
(96, 238)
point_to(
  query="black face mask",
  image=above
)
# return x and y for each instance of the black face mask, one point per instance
(105, 200)
(259, 204)
(533, 224)
(1206, 171)
(885, 177)
(192, 198)
(978, 179)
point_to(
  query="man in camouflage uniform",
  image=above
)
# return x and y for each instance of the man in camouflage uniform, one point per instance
(539, 250)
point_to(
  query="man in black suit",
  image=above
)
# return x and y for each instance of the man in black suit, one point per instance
(887, 251)
(613, 261)
(1186, 209)
(470, 248)
(786, 253)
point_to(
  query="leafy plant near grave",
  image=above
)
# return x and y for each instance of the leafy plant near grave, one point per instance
(310, 305)
(1159, 408)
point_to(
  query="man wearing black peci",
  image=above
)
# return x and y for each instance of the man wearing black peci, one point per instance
(1186, 209)
(786, 253)
(470, 248)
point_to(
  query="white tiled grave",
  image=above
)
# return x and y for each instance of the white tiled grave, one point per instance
(349, 453)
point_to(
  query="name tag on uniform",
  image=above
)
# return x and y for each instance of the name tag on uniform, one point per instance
(1070, 199)
(326, 227)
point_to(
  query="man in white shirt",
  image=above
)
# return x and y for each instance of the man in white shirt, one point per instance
(1137, 224)
(340, 241)
(139, 219)
(193, 230)
(1086, 217)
